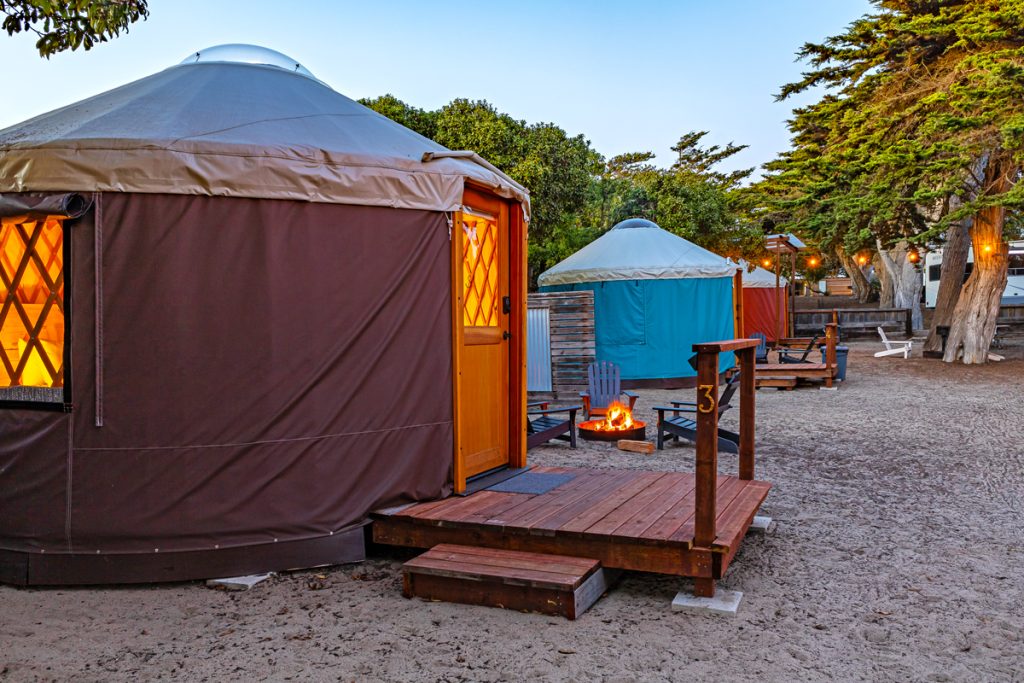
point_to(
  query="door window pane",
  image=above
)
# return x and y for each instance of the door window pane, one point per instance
(479, 270)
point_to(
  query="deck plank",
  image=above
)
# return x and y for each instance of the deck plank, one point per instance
(509, 517)
(608, 486)
(730, 524)
(644, 519)
(456, 505)
(555, 503)
(459, 569)
(607, 525)
(489, 557)
(625, 491)
(728, 488)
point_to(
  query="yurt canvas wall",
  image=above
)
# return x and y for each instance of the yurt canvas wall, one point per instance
(763, 303)
(655, 295)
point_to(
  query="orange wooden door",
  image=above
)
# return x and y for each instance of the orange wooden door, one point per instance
(480, 242)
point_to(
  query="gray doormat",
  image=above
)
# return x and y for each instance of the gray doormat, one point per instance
(533, 482)
(488, 479)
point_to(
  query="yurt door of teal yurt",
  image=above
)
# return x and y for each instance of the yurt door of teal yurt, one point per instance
(480, 241)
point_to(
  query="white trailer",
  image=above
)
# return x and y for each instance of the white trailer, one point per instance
(1014, 293)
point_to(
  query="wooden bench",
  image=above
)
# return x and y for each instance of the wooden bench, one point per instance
(512, 579)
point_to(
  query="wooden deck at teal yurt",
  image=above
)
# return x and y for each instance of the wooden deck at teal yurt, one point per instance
(655, 296)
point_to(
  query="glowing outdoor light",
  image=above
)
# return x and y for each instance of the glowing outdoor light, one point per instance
(812, 262)
(862, 259)
(913, 256)
(767, 262)
(987, 248)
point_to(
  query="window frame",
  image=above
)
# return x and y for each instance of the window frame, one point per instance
(65, 404)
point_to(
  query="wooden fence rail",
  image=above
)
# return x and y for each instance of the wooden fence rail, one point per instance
(853, 320)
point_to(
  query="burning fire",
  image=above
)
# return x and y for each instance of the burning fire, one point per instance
(618, 418)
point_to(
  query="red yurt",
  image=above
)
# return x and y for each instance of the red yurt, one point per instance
(764, 303)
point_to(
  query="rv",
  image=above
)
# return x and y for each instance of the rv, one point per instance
(1014, 293)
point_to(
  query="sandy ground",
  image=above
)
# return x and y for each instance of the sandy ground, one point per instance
(898, 555)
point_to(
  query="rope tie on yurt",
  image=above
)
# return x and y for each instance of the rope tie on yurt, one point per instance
(98, 262)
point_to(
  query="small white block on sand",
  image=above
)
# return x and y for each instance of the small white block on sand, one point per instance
(828, 388)
(238, 583)
(725, 603)
(762, 524)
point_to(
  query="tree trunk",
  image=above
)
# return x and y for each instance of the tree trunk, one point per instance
(886, 295)
(951, 281)
(861, 287)
(974, 318)
(905, 278)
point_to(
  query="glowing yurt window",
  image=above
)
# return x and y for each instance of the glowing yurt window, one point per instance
(32, 313)
(480, 270)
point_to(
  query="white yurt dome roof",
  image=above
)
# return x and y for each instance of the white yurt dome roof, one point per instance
(759, 277)
(637, 249)
(239, 121)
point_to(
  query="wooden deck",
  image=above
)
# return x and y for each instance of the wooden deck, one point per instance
(635, 520)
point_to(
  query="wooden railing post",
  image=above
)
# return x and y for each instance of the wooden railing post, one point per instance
(706, 478)
(706, 502)
(707, 447)
(747, 371)
(737, 302)
(831, 331)
(908, 323)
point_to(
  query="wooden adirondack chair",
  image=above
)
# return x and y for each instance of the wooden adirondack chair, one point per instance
(761, 353)
(798, 355)
(604, 389)
(542, 425)
(675, 426)
(893, 348)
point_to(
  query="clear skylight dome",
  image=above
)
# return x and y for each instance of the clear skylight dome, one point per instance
(240, 53)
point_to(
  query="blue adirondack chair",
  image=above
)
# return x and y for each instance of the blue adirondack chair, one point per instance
(761, 354)
(605, 388)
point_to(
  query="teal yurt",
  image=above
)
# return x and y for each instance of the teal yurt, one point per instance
(655, 296)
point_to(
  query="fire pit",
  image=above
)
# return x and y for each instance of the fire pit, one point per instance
(617, 424)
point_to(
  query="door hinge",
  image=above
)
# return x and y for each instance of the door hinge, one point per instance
(506, 304)
(506, 335)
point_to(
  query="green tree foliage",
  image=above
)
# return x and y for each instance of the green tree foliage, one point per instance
(576, 195)
(69, 25)
(555, 167)
(924, 91)
(691, 199)
(925, 104)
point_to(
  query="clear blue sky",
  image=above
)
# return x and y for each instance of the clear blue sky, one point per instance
(629, 75)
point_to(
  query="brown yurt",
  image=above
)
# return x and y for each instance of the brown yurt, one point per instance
(241, 311)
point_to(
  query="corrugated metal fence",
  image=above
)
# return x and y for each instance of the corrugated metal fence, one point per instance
(538, 349)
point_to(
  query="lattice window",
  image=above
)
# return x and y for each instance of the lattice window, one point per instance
(32, 313)
(480, 270)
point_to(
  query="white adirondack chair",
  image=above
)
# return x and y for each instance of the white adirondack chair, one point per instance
(893, 348)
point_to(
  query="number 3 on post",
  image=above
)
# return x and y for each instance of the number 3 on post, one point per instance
(707, 399)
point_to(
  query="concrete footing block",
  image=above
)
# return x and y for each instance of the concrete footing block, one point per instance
(762, 524)
(828, 388)
(725, 603)
(238, 583)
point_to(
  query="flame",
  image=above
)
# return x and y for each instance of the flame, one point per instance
(618, 418)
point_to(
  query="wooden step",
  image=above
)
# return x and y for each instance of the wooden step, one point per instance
(512, 579)
(787, 383)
